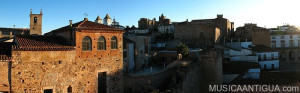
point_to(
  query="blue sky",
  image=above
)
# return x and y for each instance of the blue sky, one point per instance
(266, 13)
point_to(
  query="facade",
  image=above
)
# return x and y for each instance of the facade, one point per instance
(197, 35)
(288, 46)
(167, 29)
(142, 50)
(81, 57)
(239, 51)
(226, 27)
(245, 32)
(268, 58)
(261, 37)
(128, 55)
(145, 23)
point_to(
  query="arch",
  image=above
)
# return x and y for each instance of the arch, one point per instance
(101, 43)
(86, 44)
(114, 44)
(69, 89)
(35, 19)
(292, 55)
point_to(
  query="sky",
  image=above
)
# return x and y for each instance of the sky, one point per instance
(57, 13)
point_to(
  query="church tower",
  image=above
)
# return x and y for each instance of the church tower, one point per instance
(107, 20)
(98, 20)
(36, 23)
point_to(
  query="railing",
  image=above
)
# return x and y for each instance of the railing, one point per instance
(4, 58)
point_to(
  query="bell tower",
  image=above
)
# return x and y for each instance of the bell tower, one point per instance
(36, 23)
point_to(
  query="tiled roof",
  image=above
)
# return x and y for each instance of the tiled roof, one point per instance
(85, 24)
(262, 48)
(41, 43)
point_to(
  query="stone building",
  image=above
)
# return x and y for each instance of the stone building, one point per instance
(261, 37)
(197, 35)
(145, 23)
(81, 57)
(226, 27)
(245, 32)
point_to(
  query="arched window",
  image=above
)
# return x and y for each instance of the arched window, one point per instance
(114, 44)
(101, 43)
(86, 44)
(35, 19)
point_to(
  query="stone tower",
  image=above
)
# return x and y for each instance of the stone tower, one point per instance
(107, 20)
(36, 23)
(98, 20)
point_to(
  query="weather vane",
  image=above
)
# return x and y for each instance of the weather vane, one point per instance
(85, 14)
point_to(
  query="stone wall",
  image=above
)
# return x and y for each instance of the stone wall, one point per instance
(197, 35)
(136, 84)
(34, 71)
(4, 73)
(261, 37)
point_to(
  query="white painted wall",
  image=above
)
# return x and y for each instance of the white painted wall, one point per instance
(287, 39)
(130, 56)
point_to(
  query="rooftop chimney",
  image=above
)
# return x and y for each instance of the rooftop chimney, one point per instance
(70, 23)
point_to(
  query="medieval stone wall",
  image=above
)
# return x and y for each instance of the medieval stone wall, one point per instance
(4, 65)
(34, 71)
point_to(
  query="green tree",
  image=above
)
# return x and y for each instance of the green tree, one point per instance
(183, 50)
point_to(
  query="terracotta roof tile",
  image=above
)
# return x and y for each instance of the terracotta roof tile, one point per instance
(96, 27)
(41, 43)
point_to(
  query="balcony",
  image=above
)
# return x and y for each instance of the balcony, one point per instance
(268, 58)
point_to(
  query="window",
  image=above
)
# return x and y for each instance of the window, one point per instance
(273, 44)
(265, 57)
(282, 37)
(298, 36)
(101, 44)
(114, 44)
(298, 43)
(291, 43)
(291, 36)
(272, 56)
(86, 44)
(273, 37)
(35, 19)
(259, 57)
(282, 43)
